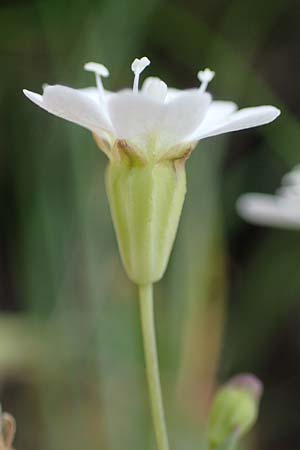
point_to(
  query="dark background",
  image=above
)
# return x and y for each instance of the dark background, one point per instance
(71, 362)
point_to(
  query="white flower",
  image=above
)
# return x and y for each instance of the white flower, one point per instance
(156, 122)
(280, 210)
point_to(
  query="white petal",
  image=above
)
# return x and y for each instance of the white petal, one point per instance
(155, 88)
(242, 119)
(34, 97)
(133, 114)
(138, 117)
(292, 177)
(290, 191)
(269, 210)
(174, 93)
(183, 115)
(73, 105)
(93, 92)
(216, 113)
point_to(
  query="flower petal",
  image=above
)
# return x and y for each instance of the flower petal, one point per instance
(155, 88)
(269, 210)
(73, 105)
(292, 178)
(216, 113)
(141, 119)
(242, 119)
(183, 114)
(93, 92)
(133, 114)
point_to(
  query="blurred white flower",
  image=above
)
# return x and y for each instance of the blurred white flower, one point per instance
(279, 210)
(156, 122)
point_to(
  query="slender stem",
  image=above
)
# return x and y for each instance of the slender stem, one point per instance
(152, 368)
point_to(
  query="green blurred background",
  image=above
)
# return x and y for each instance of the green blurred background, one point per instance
(71, 361)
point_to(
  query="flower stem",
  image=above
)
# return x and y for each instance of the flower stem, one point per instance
(152, 368)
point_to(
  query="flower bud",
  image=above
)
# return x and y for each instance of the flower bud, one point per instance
(146, 201)
(234, 409)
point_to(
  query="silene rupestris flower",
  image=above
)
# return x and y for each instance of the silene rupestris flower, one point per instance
(147, 135)
(280, 210)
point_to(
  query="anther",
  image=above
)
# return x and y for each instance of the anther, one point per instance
(137, 68)
(205, 76)
(100, 71)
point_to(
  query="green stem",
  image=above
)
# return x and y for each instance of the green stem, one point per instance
(152, 369)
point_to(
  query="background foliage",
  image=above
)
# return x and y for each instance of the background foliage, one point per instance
(71, 363)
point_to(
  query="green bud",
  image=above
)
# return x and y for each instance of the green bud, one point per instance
(234, 409)
(146, 200)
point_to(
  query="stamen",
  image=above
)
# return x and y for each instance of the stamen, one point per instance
(137, 68)
(100, 71)
(205, 76)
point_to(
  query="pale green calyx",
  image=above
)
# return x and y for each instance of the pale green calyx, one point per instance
(146, 201)
(234, 409)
